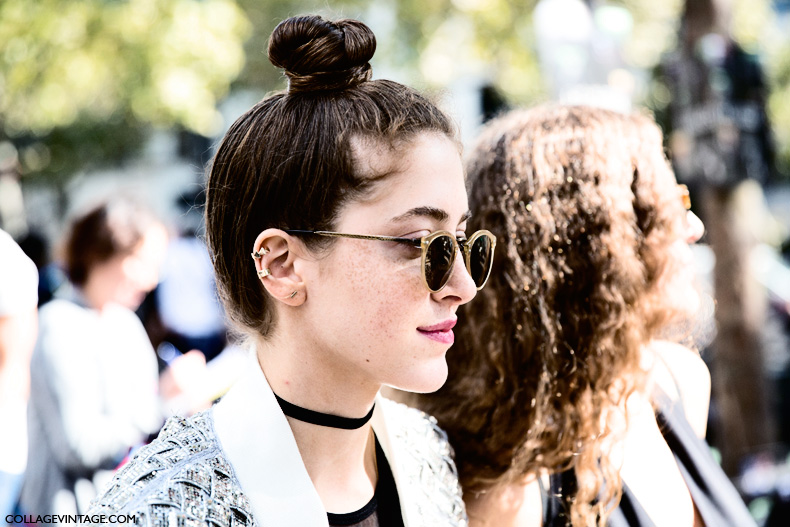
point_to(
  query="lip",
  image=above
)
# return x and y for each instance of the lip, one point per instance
(441, 326)
(441, 332)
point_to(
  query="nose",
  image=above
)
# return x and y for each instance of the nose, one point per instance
(460, 288)
(694, 227)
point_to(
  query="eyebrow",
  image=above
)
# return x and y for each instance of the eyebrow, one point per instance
(429, 212)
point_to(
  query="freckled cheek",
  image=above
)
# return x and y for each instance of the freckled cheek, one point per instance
(385, 295)
(363, 276)
(396, 313)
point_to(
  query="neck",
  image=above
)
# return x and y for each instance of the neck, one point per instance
(307, 374)
(93, 294)
(340, 463)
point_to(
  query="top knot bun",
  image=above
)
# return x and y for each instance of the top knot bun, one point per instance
(317, 54)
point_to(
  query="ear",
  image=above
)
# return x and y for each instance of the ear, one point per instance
(275, 254)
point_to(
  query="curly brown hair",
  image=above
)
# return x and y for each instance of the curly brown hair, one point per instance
(583, 204)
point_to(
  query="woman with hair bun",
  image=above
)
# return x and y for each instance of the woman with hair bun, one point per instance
(336, 218)
(566, 396)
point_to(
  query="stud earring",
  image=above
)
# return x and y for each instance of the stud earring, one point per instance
(292, 295)
(263, 273)
(256, 255)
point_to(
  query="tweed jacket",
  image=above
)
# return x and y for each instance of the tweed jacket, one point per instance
(237, 464)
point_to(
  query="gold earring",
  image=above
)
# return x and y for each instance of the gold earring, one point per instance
(263, 273)
(256, 255)
(292, 295)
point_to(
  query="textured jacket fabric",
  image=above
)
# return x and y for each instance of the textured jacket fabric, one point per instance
(238, 464)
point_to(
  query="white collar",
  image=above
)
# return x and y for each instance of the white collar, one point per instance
(259, 443)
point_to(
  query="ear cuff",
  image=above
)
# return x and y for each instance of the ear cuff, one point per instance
(256, 255)
(263, 273)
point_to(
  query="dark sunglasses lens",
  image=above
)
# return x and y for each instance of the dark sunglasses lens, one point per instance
(439, 262)
(480, 259)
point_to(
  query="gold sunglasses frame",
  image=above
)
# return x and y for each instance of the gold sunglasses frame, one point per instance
(423, 243)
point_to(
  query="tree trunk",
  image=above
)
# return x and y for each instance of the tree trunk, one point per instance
(739, 386)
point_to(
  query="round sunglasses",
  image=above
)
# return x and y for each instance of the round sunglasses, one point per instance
(438, 253)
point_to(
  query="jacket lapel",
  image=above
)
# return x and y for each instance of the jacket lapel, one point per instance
(380, 421)
(260, 446)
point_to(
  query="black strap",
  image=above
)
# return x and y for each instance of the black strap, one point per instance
(322, 419)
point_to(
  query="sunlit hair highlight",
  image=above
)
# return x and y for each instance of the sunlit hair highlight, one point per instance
(583, 203)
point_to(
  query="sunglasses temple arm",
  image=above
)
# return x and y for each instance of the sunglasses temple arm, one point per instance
(411, 241)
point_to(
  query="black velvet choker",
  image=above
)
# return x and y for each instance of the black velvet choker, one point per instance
(322, 419)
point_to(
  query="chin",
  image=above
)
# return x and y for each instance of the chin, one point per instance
(428, 379)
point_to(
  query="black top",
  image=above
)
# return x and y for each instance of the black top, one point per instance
(383, 509)
(715, 498)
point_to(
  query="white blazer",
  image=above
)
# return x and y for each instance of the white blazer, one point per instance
(238, 463)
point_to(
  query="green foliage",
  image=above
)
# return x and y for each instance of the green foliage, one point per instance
(448, 40)
(82, 79)
(426, 43)
(779, 104)
(258, 73)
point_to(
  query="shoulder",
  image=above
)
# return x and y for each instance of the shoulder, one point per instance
(181, 477)
(424, 459)
(398, 410)
(684, 377)
(60, 321)
(408, 423)
(518, 504)
(125, 322)
(18, 278)
(122, 315)
(57, 308)
(686, 370)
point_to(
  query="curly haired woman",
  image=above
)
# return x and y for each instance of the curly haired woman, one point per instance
(564, 404)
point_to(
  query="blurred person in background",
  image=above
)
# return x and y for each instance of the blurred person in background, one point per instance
(94, 376)
(569, 399)
(18, 299)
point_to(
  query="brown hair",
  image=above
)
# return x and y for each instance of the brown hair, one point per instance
(582, 202)
(112, 228)
(289, 161)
